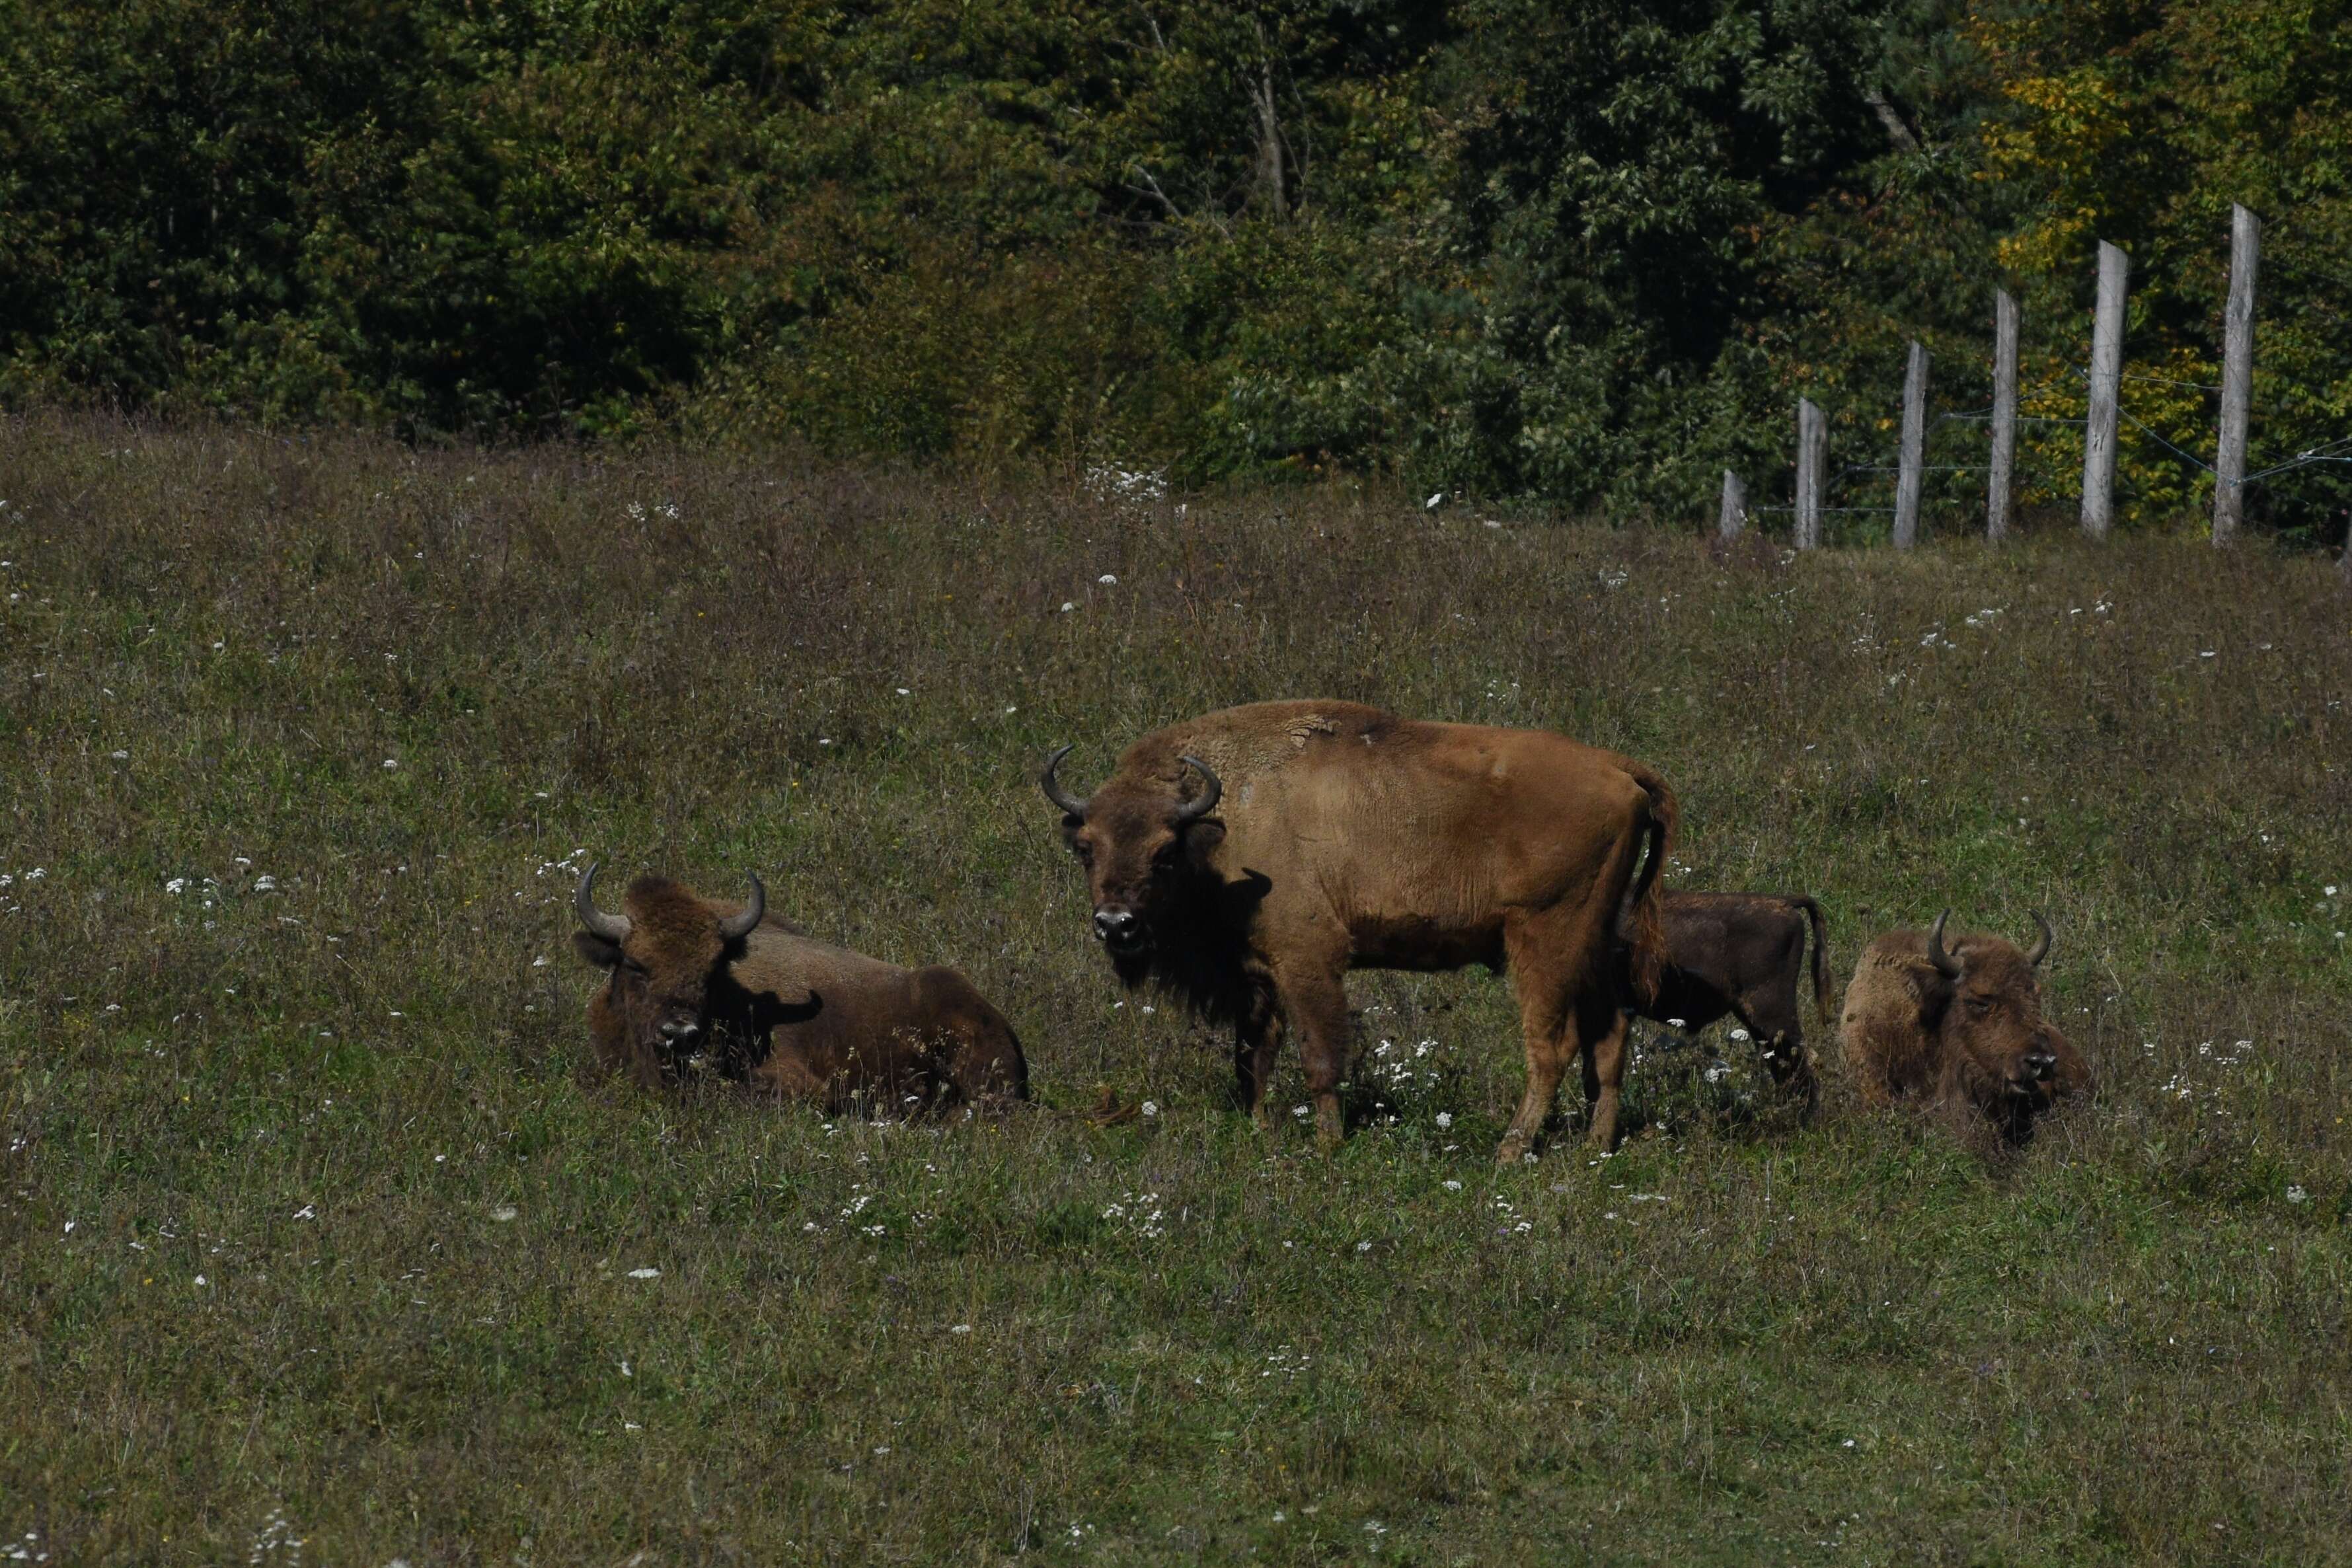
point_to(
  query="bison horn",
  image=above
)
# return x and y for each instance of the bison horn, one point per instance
(611, 927)
(1946, 965)
(1071, 805)
(1195, 809)
(735, 927)
(2039, 950)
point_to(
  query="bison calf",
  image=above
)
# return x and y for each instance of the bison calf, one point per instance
(1957, 1026)
(1742, 954)
(779, 1012)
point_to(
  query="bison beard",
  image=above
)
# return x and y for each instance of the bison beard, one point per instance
(1242, 862)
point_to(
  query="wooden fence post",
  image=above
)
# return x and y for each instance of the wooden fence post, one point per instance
(2237, 375)
(2002, 484)
(1734, 506)
(1910, 466)
(2106, 390)
(1812, 449)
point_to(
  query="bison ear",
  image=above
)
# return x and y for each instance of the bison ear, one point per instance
(1201, 838)
(599, 953)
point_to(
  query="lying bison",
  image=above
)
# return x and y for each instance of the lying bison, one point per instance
(779, 1011)
(1246, 861)
(1742, 954)
(1958, 1028)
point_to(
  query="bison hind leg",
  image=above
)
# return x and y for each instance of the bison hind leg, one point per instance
(1550, 1043)
(1545, 973)
(1780, 1039)
(970, 1052)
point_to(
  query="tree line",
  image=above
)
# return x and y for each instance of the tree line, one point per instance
(1587, 252)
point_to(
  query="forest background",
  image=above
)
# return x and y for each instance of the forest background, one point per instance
(1579, 253)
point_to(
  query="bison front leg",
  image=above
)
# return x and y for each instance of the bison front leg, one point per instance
(1316, 1002)
(784, 1075)
(1257, 1040)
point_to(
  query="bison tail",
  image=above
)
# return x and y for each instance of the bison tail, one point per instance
(1821, 954)
(1639, 921)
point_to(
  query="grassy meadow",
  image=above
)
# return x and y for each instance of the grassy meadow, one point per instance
(318, 1244)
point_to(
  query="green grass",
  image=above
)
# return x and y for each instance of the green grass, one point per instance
(274, 1015)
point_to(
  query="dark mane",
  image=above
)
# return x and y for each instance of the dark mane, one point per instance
(1200, 960)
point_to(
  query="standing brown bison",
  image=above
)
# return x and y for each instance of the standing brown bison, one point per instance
(781, 1012)
(1957, 1026)
(1742, 954)
(1246, 861)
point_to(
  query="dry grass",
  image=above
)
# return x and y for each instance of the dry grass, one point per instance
(304, 737)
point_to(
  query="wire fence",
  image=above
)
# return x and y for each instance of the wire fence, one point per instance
(2107, 424)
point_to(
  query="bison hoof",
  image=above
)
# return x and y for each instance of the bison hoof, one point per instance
(1328, 1142)
(1513, 1150)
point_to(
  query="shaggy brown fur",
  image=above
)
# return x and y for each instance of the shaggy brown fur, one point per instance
(1343, 837)
(1744, 953)
(788, 1016)
(1975, 1046)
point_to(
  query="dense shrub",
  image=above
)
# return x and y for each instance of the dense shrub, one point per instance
(1580, 250)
